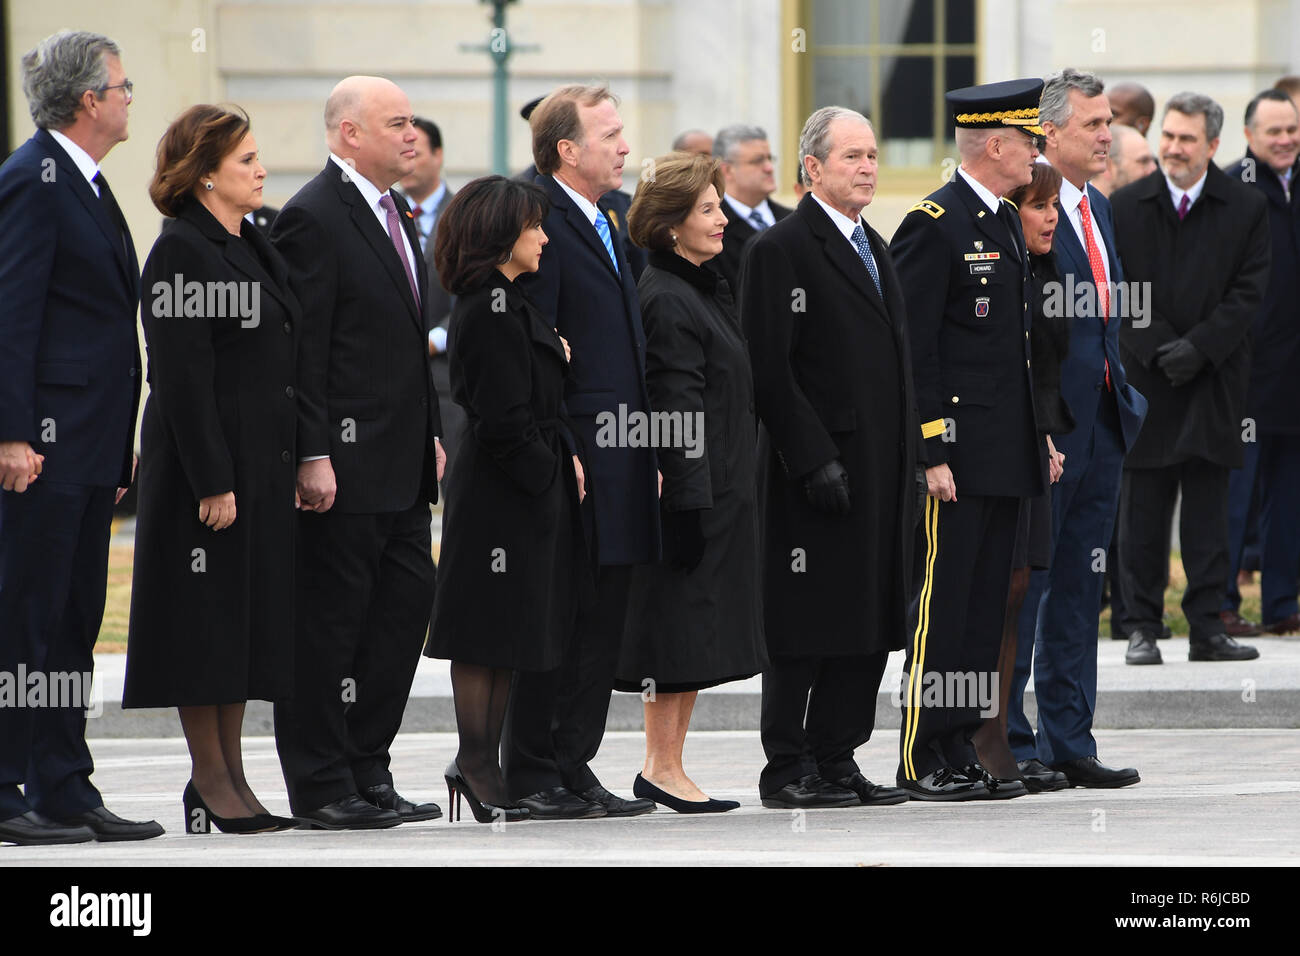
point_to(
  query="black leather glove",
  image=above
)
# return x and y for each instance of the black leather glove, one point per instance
(1180, 360)
(827, 488)
(683, 539)
(922, 492)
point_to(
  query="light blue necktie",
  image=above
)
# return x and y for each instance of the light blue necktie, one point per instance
(602, 227)
(859, 238)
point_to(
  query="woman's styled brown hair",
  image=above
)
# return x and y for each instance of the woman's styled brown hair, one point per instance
(480, 226)
(193, 146)
(1045, 184)
(666, 197)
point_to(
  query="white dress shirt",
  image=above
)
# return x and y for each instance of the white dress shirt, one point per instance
(986, 195)
(586, 205)
(1192, 194)
(843, 223)
(1070, 198)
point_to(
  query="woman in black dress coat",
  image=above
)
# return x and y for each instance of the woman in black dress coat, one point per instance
(211, 608)
(513, 560)
(1049, 342)
(694, 619)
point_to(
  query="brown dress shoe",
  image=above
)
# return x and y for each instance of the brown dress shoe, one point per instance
(1234, 625)
(1288, 625)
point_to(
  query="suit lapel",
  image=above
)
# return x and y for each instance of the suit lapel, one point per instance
(986, 221)
(841, 253)
(378, 239)
(118, 239)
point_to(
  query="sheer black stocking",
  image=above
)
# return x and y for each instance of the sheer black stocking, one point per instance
(481, 695)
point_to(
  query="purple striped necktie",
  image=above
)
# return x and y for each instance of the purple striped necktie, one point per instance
(395, 233)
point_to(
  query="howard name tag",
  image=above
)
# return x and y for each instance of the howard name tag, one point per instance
(983, 268)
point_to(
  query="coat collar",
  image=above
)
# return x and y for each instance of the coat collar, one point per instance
(841, 253)
(985, 220)
(517, 301)
(702, 277)
(253, 255)
(581, 225)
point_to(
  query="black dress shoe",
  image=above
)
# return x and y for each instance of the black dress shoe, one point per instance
(616, 806)
(1220, 647)
(1090, 772)
(383, 796)
(1142, 649)
(872, 794)
(811, 792)
(32, 829)
(644, 788)
(944, 784)
(108, 827)
(557, 803)
(1039, 777)
(349, 813)
(996, 788)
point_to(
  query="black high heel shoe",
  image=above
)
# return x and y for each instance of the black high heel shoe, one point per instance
(647, 790)
(483, 812)
(199, 819)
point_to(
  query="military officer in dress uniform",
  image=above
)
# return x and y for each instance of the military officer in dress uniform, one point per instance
(963, 265)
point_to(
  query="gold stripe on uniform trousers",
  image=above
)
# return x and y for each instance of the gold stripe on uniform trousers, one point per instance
(919, 638)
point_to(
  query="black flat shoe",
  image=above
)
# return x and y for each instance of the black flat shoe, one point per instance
(348, 813)
(32, 829)
(1090, 772)
(1039, 777)
(996, 788)
(1142, 649)
(483, 812)
(644, 788)
(557, 803)
(108, 827)
(383, 796)
(811, 792)
(872, 794)
(1220, 647)
(199, 819)
(944, 784)
(616, 806)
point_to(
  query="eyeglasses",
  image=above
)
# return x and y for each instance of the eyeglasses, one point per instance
(126, 86)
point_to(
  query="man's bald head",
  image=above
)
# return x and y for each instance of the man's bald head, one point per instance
(1132, 105)
(368, 120)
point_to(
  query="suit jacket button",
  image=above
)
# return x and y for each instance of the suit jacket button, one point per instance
(288, 390)
(288, 327)
(424, 401)
(132, 373)
(284, 457)
(955, 399)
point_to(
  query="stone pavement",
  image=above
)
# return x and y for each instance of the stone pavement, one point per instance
(1207, 799)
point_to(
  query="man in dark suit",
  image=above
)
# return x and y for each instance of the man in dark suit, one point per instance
(428, 194)
(965, 271)
(823, 312)
(1272, 461)
(1201, 240)
(584, 287)
(1057, 631)
(749, 175)
(69, 389)
(369, 465)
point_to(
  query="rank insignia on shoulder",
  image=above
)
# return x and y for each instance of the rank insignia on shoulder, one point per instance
(982, 307)
(929, 207)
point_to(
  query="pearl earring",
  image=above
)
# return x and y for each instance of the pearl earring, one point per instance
(208, 186)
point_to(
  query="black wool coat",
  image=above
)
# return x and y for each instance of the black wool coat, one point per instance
(513, 565)
(1207, 277)
(212, 611)
(706, 624)
(735, 239)
(832, 380)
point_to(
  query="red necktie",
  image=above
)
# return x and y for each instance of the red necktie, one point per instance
(1098, 270)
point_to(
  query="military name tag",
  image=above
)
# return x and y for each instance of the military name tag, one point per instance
(982, 307)
(983, 268)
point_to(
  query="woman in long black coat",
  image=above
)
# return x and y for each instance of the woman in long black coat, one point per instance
(694, 619)
(514, 559)
(211, 602)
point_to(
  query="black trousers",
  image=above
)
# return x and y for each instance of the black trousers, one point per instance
(1149, 495)
(53, 576)
(955, 628)
(557, 718)
(816, 712)
(364, 585)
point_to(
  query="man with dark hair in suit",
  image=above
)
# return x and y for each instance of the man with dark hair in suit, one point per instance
(823, 312)
(585, 288)
(69, 389)
(369, 465)
(1272, 461)
(1200, 240)
(749, 175)
(1132, 105)
(964, 267)
(428, 194)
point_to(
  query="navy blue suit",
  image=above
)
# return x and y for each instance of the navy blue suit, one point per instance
(557, 718)
(69, 386)
(1058, 622)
